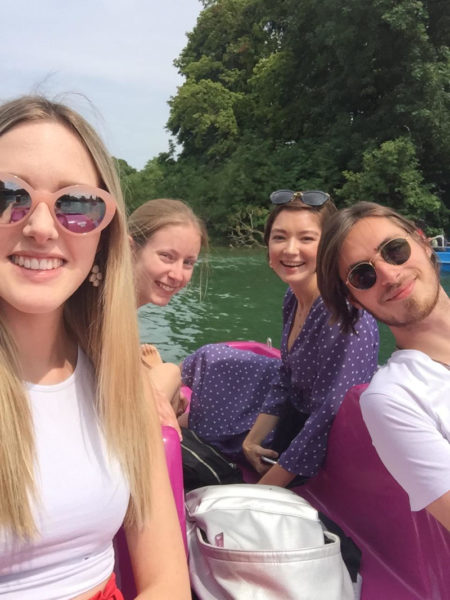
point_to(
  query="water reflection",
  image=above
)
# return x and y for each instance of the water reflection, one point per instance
(243, 301)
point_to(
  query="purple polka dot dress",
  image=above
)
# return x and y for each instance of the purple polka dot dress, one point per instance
(231, 387)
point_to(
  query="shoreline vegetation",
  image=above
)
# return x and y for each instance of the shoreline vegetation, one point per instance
(358, 107)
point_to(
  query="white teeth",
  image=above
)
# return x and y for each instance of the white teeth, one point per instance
(165, 287)
(37, 264)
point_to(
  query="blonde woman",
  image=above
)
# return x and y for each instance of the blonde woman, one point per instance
(166, 237)
(81, 449)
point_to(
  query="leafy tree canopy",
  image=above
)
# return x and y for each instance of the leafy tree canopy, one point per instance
(349, 96)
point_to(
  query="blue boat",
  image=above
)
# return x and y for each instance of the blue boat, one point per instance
(442, 249)
(444, 259)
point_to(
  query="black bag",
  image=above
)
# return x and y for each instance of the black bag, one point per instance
(204, 465)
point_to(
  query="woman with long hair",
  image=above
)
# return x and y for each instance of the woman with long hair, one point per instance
(81, 450)
(278, 413)
(166, 238)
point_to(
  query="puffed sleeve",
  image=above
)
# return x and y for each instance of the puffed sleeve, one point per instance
(228, 386)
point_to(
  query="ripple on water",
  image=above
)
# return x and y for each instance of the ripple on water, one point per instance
(243, 301)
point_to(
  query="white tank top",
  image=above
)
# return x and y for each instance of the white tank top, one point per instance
(83, 498)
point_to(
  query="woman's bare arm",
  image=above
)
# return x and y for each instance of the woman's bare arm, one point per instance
(156, 550)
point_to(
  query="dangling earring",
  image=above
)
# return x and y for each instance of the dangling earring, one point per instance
(96, 276)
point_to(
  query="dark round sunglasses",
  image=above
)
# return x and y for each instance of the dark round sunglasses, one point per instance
(77, 209)
(309, 197)
(363, 275)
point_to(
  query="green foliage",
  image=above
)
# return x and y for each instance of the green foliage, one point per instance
(202, 116)
(348, 96)
(247, 226)
(124, 168)
(138, 187)
(391, 176)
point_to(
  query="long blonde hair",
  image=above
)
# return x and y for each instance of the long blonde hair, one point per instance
(153, 215)
(102, 321)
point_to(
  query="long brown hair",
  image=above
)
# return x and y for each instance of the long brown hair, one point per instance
(153, 215)
(101, 320)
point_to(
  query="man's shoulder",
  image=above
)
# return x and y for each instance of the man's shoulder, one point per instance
(408, 373)
(409, 359)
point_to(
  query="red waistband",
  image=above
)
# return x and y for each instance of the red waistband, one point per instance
(110, 591)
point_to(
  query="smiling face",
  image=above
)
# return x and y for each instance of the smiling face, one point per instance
(293, 243)
(40, 266)
(164, 265)
(402, 294)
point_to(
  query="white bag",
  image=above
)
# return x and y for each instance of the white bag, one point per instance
(259, 542)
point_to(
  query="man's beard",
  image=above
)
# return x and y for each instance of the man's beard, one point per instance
(415, 310)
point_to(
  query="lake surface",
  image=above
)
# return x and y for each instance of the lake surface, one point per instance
(242, 301)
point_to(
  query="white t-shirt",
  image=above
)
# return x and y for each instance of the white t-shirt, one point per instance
(83, 498)
(407, 411)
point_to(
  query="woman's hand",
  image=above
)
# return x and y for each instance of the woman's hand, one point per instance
(183, 403)
(253, 453)
(276, 475)
(252, 444)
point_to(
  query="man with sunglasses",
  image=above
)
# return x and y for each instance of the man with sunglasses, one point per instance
(373, 258)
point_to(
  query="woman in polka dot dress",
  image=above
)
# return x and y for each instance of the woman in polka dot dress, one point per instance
(283, 410)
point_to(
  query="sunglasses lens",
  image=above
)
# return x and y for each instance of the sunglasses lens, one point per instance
(15, 202)
(281, 196)
(314, 198)
(362, 276)
(80, 212)
(396, 252)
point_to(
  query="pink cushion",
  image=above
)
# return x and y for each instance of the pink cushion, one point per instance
(172, 448)
(123, 570)
(404, 554)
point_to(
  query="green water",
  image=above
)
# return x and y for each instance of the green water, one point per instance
(242, 302)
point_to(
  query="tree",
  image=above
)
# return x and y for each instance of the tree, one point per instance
(247, 227)
(124, 168)
(203, 118)
(349, 96)
(138, 187)
(391, 176)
